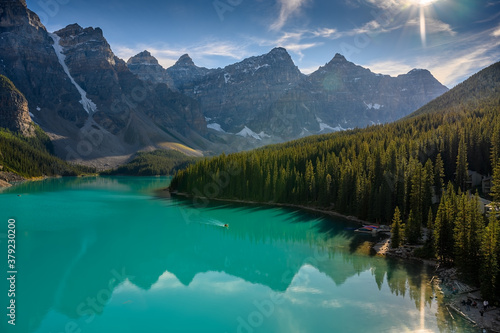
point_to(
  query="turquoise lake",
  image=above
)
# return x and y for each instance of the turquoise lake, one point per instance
(107, 255)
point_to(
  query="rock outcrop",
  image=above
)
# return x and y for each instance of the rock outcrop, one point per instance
(185, 72)
(147, 68)
(14, 113)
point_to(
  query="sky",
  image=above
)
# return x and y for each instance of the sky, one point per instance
(452, 38)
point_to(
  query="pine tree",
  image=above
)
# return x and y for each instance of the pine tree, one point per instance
(495, 189)
(462, 173)
(495, 145)
(467, 234)
(397, 231)
(444, 225)
(439, 176)
(489, 258)
(429, 242)
(413, 229)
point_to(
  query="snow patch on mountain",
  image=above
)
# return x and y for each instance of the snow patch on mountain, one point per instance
(216, 127)
(375, 106)
(323, 126)
(247, 132)
(261, 66)
(87, 104)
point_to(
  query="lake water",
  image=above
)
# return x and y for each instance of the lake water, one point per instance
(107, 255)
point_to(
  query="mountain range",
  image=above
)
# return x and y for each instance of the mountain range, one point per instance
(99, 109)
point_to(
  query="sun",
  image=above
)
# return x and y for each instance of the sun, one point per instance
(426, 2)
(422, 3)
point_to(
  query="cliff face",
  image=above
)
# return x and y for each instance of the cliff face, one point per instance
(78, 90)
(14, 113)
(28, 59)
(137, 112)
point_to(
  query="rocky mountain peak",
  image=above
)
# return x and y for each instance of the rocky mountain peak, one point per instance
(280, 55)
(14, 13)
(147, 68)
(75, 31)
(143, 58)
(82, 44)
(184, 71)
(420, 72)
(185, 61)
(338, 59)
(279, 52)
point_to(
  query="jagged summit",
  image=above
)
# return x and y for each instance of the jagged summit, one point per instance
(338, 59)
(75, 29)
(279, 50)
(185, 71)
(339, 56)
(143, 58)
(419, 71)
(185, 61)
(147, 68)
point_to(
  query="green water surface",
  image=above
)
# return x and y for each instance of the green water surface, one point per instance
(107, 255)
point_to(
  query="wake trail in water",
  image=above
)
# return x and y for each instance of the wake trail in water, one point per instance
(213, 222)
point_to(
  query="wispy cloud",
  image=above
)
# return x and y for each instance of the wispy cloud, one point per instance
(296, 41)
(167, 55)
(309, 70)
(433, 26)
(389, 67)
(371, 28)
(288, 8)
(469, 55)
(496, 32)
(325, 32)
(492, 3)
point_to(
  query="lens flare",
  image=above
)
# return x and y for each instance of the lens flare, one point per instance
(423, 7)
(423, 33)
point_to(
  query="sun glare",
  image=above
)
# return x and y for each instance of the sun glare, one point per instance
(423, 6)
(425, 2)
(422, 3)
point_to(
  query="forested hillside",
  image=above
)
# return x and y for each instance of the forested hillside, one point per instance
(32, 157)
(158, 162)
(369, 172)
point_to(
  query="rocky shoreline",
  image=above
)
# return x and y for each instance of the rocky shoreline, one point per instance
(7, 178)
(455, 292)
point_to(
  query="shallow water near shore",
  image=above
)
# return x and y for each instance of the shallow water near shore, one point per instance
(104, 254)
